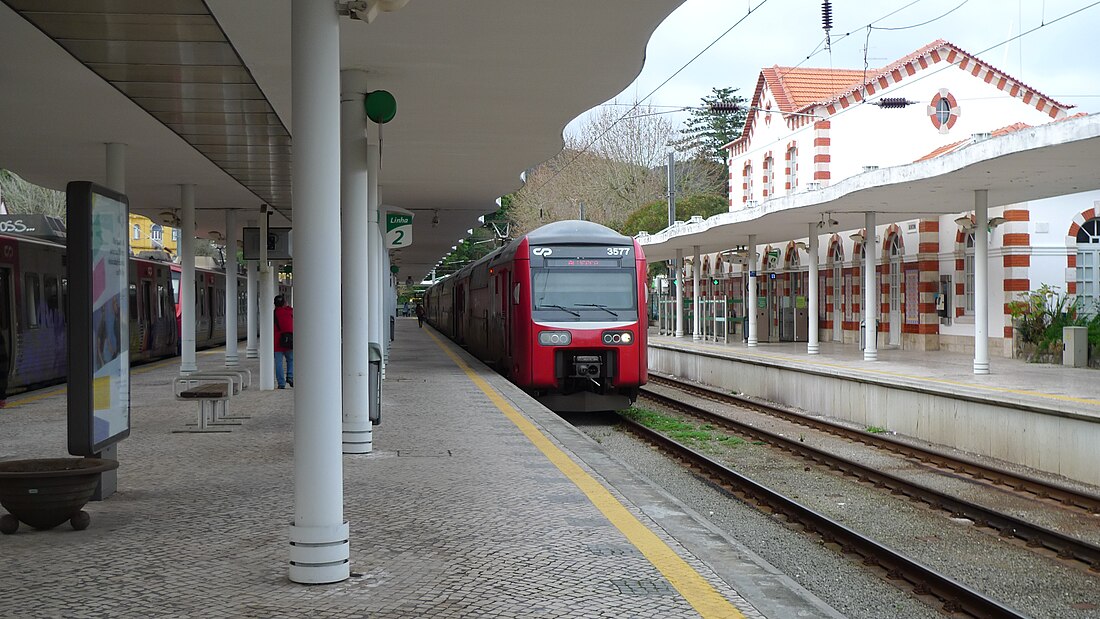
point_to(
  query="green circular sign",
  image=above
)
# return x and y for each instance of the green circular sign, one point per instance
(380, 105)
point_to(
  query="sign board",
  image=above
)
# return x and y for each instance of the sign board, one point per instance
(399, 229)
(279, 244)
(98, 328)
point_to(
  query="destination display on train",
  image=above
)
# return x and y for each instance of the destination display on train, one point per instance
(582, 262)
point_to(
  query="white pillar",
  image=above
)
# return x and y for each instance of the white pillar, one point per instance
(116, 167)
(231, 358)
(187, 279)
(355, 365)
(680, 294)
(870, 291)
(267, 312)
(814, 309)
(375, 251)
(981, 281)
(319, 540)
(751, 305)
(696, 266)
(253, 300)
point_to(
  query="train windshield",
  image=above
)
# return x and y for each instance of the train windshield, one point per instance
(598, 290)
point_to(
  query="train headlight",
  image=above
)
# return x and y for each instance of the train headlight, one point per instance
(555, 338)
(617, 338)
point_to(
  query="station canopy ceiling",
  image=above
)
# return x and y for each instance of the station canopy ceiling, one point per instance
(200, 93)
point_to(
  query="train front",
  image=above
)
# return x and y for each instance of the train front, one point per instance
(588, 323)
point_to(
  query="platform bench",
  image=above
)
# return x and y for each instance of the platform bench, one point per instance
(212, 393)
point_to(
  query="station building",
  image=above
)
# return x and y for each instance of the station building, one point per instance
(809, 127)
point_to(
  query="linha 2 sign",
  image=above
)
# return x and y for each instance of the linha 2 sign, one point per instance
(399, 230)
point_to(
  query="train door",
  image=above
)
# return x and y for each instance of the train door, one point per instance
(506, 318)
(838, 295)
(7, 342)
(211, 311)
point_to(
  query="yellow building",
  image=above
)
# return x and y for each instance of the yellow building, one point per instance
(147, 235)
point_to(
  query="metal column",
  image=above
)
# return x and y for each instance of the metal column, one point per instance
(981, 281)
(355, 344)
(870, 291)
(186, 251)
(679, 293)
(695, 268)
(319, 540)
(812, 343)
(231, 304)
(750, 309)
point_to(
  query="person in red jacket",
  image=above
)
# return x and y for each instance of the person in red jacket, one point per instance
(284, 342)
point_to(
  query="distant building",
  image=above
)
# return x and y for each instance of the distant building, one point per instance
(809, 127)
(147, 235)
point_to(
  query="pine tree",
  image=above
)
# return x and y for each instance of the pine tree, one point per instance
(718, 121)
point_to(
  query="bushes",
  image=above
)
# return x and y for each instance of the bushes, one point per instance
(1039, 318)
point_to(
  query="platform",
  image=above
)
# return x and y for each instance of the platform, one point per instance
(476, 503)
(1041, 416)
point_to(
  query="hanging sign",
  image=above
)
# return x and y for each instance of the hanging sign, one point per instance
(399, 229)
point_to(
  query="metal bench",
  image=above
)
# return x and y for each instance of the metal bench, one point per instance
(212, 392)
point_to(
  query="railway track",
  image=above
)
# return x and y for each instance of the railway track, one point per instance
(956, 598)
(1021, 484)
(1065, 548)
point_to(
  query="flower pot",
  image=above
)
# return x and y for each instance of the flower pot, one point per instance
(44, 493)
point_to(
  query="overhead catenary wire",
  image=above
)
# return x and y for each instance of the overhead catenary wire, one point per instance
(627, 113)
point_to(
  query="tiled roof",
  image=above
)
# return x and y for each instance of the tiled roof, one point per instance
(1014, 127)
(798, 87)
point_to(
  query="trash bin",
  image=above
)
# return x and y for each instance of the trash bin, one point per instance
(374, 409)
(392, 322)
(1075, 347)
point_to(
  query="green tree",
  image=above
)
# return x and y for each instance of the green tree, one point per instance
(21, 196)
(653, 217)
(717, 122)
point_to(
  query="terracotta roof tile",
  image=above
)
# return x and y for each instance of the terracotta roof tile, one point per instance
(798, 87)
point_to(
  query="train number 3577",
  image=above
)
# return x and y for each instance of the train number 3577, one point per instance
(618, 251)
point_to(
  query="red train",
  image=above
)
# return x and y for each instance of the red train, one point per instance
(561, 312)
(33, 307)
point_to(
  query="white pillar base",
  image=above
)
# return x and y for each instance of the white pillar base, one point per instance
(870, 355)
(251, 354)
(232, 361)
(811, 349)
(319, 555)
(981, 368)
(358, 436)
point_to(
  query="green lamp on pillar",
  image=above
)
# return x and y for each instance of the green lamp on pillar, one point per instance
(380, 105)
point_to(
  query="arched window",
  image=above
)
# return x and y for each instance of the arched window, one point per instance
(1088, 266)
(136, 231)
(792, 168)
(796, 277)
(968, 275)
(769, 175)
(156, 233)
(747, 181)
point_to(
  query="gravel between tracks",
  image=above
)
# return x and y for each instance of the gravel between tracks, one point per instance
(1033, 585)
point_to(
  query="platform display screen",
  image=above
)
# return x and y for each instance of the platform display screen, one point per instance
(98, 333)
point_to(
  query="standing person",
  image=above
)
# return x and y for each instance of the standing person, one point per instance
(419, 314)
(284, 342)
(406, 308)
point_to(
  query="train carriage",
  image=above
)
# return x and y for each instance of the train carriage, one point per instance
(560, 311)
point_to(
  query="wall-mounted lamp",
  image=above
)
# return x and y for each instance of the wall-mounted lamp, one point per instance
(996, 221)
(215, 235)
(829, 222)
(803, 246)
(965, 223)
(857, 237)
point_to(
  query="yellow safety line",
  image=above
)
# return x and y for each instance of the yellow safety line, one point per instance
(695, 589)
(942, 381)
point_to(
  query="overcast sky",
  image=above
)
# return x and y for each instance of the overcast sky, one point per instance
(1060, 59)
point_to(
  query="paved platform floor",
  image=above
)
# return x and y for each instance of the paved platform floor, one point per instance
(477, 502)
(1040, 385)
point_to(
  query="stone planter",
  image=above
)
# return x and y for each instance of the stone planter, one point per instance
(44, 493)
